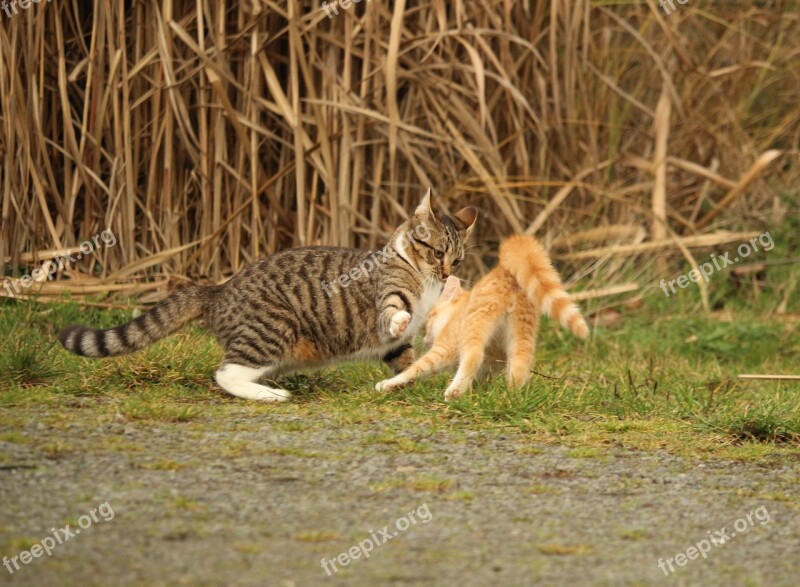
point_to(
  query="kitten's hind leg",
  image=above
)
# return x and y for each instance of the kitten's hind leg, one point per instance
(240, 381)
(521, 343)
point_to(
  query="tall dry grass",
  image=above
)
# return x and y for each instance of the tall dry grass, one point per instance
(207, 134)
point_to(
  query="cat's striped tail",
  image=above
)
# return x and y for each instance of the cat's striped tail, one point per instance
(162, 320)
(530, 265)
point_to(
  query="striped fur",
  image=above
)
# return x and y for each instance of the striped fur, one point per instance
(164, 319)
(496, 322)
(294, 309)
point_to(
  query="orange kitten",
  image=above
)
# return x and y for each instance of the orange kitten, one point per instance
(499, 317)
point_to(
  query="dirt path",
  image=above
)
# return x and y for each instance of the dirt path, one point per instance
(263, 501)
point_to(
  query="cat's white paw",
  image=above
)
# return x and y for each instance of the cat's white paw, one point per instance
(399, 323)
(271, 394)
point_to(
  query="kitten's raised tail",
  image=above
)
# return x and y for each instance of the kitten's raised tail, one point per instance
(162, 320)
(530, 265)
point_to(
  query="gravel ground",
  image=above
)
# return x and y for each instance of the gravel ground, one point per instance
(262, 501)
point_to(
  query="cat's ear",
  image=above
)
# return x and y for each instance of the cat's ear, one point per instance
(427, 208)
(466, 218)
(452, 288)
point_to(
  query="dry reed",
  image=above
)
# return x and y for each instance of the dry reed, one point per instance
(207, 134)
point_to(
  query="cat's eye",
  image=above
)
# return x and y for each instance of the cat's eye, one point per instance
(438, 254)
(456, 262)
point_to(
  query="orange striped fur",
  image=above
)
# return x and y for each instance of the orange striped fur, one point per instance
(497, 320)
(528, 262)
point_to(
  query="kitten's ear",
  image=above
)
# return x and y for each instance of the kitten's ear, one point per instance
(427, 207)
(452, 288)
(466, 217)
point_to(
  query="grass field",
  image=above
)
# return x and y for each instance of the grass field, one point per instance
(663, 376)
(202, 135)
(622, 451)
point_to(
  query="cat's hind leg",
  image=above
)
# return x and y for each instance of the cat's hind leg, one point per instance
(521, 343)
(241, 381)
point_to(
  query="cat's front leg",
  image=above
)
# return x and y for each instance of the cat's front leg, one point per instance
(394, 316)
(468, 368)
(455, 391)
(395, 382)
(399, 323)
(436, 359)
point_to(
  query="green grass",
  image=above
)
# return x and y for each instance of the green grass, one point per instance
(665, 378)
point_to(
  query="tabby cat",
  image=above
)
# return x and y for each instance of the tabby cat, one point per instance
(307, 306)
(498, 318)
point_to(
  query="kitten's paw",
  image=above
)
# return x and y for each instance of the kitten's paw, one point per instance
(453, 393)
(399, 323)
(388, 384)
